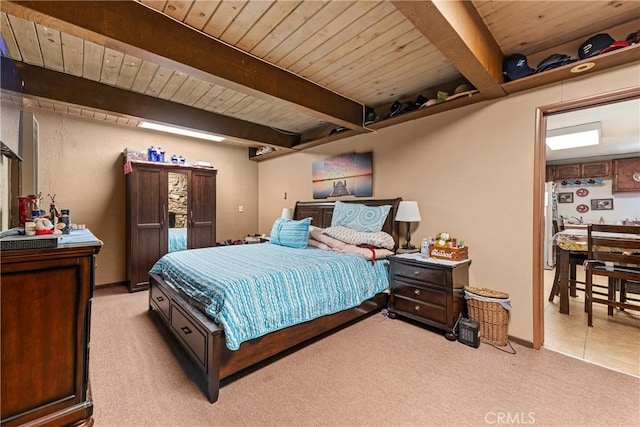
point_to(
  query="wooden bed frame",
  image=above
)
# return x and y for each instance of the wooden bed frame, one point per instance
(203, 340)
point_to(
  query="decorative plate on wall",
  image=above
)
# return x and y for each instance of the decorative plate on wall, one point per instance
(581, 192)
(582, 208)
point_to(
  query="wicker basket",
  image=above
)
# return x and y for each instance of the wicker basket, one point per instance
(492, 316)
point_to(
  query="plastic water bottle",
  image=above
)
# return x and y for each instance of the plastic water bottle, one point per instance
(424, 248)
(152, 154)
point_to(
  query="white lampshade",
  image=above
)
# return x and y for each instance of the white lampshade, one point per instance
(287, 213)
(408, 212)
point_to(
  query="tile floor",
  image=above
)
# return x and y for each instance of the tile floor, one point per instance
(613, 341)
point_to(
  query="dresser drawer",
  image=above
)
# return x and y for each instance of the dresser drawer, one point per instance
(160, 300)
(433, 296)
(428, 275)
(191, 335)
(425, 310)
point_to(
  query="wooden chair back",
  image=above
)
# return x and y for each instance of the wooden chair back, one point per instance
(612, 251)
(558, 225)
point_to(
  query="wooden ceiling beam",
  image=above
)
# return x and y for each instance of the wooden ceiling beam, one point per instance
(44, 83)
(456, 29)
(133, 28)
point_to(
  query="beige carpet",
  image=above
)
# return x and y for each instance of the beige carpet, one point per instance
(378, 372)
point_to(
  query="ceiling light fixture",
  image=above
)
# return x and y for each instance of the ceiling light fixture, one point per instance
(180, 131)
(574, 136)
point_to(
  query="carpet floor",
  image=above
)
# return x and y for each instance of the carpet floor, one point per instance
(377, 372)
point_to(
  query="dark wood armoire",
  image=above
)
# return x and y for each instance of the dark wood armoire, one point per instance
(166, 200)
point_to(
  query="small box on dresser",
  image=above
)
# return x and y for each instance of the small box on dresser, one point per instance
(428, 290)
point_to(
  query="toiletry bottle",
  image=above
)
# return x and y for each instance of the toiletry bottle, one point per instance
(424, 248)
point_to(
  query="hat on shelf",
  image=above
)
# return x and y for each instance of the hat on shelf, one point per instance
(462, 90)
(371, 118)
(618, 44)
(633, 38)
(554, 61)
(395, 108)
(515, 67)
(594, 45)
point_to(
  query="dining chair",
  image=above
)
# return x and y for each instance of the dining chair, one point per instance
(575, 259)
(614, 252)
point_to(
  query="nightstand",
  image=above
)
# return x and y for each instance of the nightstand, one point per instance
(428, 290)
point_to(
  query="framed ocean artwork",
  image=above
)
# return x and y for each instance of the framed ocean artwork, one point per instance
(343, 175)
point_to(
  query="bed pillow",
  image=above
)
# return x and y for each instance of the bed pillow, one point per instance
(291, 233)
(347, 235)
(318, 234)
(359, 217)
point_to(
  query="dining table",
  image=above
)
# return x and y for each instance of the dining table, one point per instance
(566, 242)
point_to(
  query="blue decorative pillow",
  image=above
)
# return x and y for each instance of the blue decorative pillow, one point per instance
(359, 217)
(287, 232)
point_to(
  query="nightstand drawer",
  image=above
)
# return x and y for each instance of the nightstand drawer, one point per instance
(432, 296)
(430, 275)
(436, 313)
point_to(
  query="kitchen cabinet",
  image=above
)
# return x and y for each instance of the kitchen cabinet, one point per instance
(169, 207)
(600, 169)
(626, 175)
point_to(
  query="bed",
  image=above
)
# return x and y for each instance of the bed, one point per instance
(219, 351)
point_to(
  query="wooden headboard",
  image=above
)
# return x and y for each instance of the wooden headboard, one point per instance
(322, 211)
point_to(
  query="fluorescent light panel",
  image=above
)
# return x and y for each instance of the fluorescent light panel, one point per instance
(574, 136)
(180, 131)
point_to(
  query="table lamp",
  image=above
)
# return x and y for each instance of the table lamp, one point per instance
(287, 213)
(408, 212)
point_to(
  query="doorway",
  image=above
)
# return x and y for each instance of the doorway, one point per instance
(564, 333)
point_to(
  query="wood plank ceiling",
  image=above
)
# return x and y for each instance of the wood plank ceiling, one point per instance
(280, 73)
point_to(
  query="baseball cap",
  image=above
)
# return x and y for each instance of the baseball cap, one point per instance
(515, 67)
(633, 38)
(593, 45)
(554, 61)
(619, 44)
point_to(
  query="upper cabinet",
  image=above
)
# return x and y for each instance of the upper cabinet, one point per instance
(600, 169)
(626, 175)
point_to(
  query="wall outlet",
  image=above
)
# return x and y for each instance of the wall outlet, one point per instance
(240, 208)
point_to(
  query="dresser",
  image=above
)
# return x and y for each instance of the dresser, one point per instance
(46, 323)
(428, 290)
(169, 207)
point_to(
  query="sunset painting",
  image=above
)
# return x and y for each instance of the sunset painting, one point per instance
(344, 175)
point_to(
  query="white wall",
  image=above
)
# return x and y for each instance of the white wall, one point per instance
(80, 160)
(471, 171)
(625, 205)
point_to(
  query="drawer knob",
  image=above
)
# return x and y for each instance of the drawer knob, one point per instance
(416, 272)
(160, 299)
(417, 308)
(417, 291)
(186, 330)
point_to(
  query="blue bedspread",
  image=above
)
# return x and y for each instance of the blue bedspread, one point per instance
(252, 290)
(177, 239)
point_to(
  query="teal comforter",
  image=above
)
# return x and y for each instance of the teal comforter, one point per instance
(252, 290)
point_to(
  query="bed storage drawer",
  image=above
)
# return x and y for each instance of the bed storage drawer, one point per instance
(161, 301)
(189, 333)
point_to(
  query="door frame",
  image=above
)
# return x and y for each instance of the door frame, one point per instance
(539, 186)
